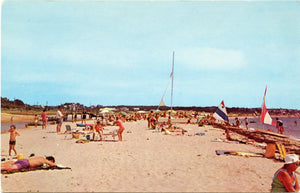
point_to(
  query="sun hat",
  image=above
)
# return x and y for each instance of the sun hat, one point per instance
(291, 158)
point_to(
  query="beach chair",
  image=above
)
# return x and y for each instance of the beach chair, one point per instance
(68, 131)
(281, 150)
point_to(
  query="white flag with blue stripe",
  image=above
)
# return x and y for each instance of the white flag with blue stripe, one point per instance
(221, 113)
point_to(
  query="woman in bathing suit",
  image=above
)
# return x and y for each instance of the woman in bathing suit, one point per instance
(120, 123)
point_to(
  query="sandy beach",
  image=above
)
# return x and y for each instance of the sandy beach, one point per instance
(145, 161)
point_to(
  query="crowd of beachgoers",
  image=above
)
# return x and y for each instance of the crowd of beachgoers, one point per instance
(166, 151)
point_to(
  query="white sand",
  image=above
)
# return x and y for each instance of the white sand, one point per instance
(145, 161)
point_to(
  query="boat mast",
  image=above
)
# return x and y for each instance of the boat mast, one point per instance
(172, 82)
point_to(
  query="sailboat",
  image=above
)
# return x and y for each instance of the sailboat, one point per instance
(221, 113)
(162, 102)
(265, 116)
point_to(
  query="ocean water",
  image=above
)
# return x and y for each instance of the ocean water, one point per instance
(6, 126)
(291, 125)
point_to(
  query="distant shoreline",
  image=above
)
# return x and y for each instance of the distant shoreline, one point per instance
(19, 118)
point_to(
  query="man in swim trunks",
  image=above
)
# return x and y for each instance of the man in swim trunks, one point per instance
(36, 162)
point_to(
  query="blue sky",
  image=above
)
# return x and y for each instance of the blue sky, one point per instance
(120, 52)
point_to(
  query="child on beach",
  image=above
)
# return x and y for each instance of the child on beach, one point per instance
(119, 122)
(12, 140)
(98, 129)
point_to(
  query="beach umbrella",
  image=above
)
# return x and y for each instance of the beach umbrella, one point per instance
(106, 111)
(123, 113)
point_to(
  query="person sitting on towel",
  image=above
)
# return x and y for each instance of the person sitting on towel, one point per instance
(284, 179)
(35, 162)
(228, 136)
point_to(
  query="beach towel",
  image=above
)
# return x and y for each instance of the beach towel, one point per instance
(44, 167)
(238, 153)
(201, 134)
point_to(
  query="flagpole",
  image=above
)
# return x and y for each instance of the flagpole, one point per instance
(172, 82)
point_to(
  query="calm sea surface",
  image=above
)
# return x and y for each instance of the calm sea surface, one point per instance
(291, 125)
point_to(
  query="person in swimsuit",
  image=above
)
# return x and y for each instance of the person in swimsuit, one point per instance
(99, 129)
(36, 120)
(83, 121)
(21, 164)
(120, 123)
(284, 179)
(279, 126)
(12, 139)
(44, 119)
(246, 123)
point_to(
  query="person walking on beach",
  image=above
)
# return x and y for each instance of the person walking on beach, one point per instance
(44, 119)
(120, 123)
(12, 140)
(284, 179)
(59, 116)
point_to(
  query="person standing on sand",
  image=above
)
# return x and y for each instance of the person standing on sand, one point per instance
(120, 123)
(36, 120)
(83, 120)
(237, 122)
(246, 123)
(44, 119)
(284, 179)
(12, 139)
(59, 116)
(98, 129)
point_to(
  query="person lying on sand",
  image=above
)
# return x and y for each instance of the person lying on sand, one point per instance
(21, 164)
(228, 136)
